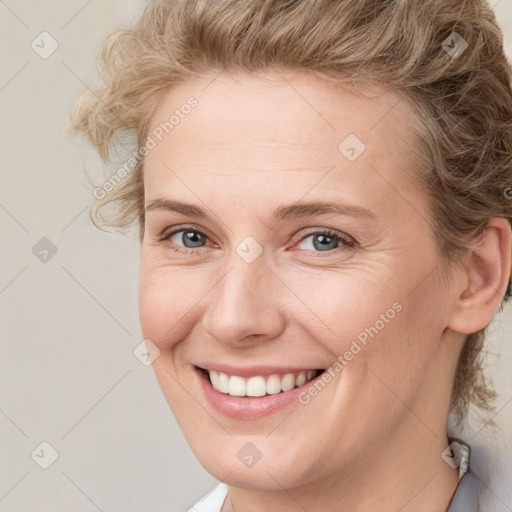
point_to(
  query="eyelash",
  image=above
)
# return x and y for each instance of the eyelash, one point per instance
(349, 242)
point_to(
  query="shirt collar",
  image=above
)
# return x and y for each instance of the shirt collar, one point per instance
(460, 455)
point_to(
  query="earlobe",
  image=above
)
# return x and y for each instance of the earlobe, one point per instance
(485, 279)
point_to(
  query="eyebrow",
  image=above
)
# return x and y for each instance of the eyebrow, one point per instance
(295, 210)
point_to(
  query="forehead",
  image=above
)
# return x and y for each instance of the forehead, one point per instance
(256, 127)
(275, 100)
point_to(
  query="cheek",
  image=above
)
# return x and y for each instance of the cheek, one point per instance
(151, 306)
(172, 301)
(400, 343)
(380, 326)
(351, 311)
(165, 305)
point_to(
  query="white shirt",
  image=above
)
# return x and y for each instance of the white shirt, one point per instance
(213, 501)
(465, 498)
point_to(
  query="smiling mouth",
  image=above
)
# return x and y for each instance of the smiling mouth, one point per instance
(258, 385)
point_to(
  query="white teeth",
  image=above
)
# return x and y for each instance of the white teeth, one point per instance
(237, 386)
(258, 385)
(214, 377)
(223, 383)
(301, 379)
(288, 382)
(273, 384)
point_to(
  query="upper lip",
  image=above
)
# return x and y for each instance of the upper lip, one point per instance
(254, 370)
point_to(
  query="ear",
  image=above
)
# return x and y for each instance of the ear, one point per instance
(484, 279)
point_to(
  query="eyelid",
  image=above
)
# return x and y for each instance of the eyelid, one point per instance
(346, 239)
(168, 232)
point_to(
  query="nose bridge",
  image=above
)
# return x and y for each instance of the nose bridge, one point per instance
(244, 301)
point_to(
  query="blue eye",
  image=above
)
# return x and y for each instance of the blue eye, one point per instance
(190, 240)
(327, 241)
(191, 236)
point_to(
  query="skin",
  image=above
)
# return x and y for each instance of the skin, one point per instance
(372, 438)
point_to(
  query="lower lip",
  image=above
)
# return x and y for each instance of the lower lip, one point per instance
(249, 407)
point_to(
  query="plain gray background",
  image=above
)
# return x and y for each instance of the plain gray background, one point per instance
(69, 325)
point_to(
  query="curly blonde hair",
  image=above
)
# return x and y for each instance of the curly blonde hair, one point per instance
(446, 56)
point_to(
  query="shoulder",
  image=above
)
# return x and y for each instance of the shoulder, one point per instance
(213, 501)
(467, 496)
(478, 488)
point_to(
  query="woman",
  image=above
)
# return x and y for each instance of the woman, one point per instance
(321, 192)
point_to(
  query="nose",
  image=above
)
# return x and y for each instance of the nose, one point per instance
(245, 306)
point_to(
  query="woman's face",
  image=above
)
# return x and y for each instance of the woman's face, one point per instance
(286, 234)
